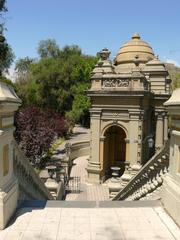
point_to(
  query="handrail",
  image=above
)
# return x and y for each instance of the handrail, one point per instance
(147, 175)
(31, 186)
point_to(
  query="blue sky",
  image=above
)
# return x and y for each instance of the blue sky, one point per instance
(94, 24)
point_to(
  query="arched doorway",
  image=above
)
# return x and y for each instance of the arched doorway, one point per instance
(114, 149)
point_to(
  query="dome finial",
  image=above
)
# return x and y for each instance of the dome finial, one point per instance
(104, 54)
(136, 36)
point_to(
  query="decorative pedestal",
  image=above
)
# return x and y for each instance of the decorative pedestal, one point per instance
(114, 185)
(8, 202)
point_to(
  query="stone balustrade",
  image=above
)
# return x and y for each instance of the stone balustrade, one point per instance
(79, 149)
(74, 150)
(30, 185)
(148, 179)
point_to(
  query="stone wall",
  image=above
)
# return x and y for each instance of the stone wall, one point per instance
(171, 188)
(79, 149)
(18, 180)
(9, 103)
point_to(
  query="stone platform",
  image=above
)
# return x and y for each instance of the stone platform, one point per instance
(91, 220)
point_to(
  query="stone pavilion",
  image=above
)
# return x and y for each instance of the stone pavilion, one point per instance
(128, 118)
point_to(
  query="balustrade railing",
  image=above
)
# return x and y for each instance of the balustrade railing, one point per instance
(148, 179)
(30, 185)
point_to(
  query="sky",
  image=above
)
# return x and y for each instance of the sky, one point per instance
(94, 24)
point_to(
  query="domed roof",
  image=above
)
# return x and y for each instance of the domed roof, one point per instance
(133, 48)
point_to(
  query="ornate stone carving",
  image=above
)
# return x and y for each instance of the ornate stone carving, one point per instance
(115, 82)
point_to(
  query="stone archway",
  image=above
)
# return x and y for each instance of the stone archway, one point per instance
(114, 149)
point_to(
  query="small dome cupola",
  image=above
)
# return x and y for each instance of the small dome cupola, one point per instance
(135, 46)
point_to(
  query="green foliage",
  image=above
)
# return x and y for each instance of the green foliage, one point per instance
(57, 80)
(6, 57)
(48, 48)
(3, 6)
(80, 110)
(7, 81)
(54, 146)
(22, 67)
(6, 53)
(176, 82)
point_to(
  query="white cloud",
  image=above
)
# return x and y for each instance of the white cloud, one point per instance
(173, 61)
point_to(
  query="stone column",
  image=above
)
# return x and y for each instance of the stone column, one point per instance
(112, 154)
(127, 149)
(170, 195)
(94, 168)
(101, 155)
(159, 131)
(133, 138)
(165, 127)
(9, 103)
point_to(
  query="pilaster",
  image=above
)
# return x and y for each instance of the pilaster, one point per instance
(159, 130)
(135, 138)
(9, 103)
(165, 127)
(94, 165)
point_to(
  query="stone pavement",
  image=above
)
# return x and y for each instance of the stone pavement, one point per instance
(91, 221)
(88, 192)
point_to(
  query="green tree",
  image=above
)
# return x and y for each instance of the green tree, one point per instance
(3, 7)
(80, 110)
(22, 67)
(25, 86)
(57, 81)
(48, 48)
(6, 53)
(7, 81)
(176, 82)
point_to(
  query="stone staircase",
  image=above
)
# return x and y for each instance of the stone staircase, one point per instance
(91, 220)
(147, 183)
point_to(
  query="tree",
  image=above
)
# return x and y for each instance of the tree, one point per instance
(48, 48)
(3, 7)
(7, 81)
(36, 130)
(176, 82)
(25, 85)
(6, 53)
(56, 80)
(80, 110)
(22, 67)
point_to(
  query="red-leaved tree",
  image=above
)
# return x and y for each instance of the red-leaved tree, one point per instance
(36, 129)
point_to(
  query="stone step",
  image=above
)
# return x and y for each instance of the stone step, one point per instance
(89, 204)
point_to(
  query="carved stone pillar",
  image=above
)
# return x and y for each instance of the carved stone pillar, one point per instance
(101, 155)
(127, 149)
(133, 137)
(159, 131)
(93, 168)
(8, 183)
(165, 127)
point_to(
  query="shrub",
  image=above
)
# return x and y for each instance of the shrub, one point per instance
(36, 129)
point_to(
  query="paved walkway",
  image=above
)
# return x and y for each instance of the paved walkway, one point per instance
(121, 222)
(79, 134)
(88, 192)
